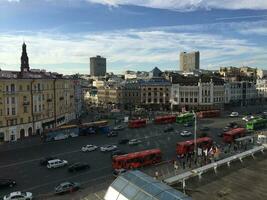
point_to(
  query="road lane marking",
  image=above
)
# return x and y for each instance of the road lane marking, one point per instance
(66, 178)
(36, 159)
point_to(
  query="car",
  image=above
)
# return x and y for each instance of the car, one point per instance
(124, 141)
(108, 148)
(134, 141)
(188, 124)
(205, 128)
(220, 134)
(117, 153)
(61, 137)
(118, 172)
(248, 118)
(168, 129)
(89, 147)
(227, 128)
(232, 125)
(185, 133)
(7, 183)
(78, 167)
(234, 114)
(18, 196)
(118, 128)
(66, 187)
(112, 134)
(56, 163)
(44, 161)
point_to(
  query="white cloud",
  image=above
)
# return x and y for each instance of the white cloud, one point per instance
(127, 48)
(188, 4)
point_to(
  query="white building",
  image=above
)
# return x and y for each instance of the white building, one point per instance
(261, 87)
(240, 93)
(197, 93)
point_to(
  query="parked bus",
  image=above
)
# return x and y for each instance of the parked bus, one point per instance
(231, 135)
(137, 123)
(137, 159)
(256, 124)
(165, 119)
(185, 118)
(93, 127)
(208, 113)
(188, 146)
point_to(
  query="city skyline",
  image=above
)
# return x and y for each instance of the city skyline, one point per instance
(132, 35)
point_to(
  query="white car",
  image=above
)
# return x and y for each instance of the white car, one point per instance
(248, 118)
(56, 163)
(61, 137)
(18, 196)
(89, 147)
(134, 141)
(108, 148)
(234, 114)
(185, 133)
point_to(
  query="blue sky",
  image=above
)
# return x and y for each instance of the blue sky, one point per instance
(132, 34)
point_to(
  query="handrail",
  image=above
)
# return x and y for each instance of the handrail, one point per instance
(198, 171)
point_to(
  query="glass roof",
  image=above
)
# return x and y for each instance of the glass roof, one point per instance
(135, 185)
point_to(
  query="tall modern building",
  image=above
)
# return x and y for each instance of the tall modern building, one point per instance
(98, 66)
(189, 61)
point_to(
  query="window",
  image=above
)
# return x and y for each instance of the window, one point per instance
(195, 100)
(7, 88)
(186, 100)
(28, 87)
(12, 88)
(191, 100)
(1, 112)
(13, 111)
(182, 100)
(1, 123)
(24, 98)
(149, 94)
(25, 109)
(40, 108)
(35, 108)
(7, 100)
(29, 119)
(39, 87)
(13, 100)
(20, 87)
(21, 120)
(39, 98)
(7, 111)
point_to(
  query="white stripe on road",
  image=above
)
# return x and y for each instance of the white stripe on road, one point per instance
(36, 159)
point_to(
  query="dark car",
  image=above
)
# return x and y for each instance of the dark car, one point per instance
(188, 124)
(78, 167)
(7, 183)
(220, 134)
(117, 153)
(112, 134)
(66, 187)
(123, 141)
(168, 129)
(118, 128)
(204, 128)
(232, 125)
(118, 172)
(44, 161)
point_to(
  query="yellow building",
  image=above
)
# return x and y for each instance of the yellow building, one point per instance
(33, 100)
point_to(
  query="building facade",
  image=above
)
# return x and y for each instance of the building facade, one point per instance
(241, 93)
(98, 66)
(189, 61)
(197, 93)
(33, 101)
(261, 87)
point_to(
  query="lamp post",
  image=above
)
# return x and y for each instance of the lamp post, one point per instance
(195, 136)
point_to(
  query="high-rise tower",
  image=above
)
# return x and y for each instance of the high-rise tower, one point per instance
(24, 59)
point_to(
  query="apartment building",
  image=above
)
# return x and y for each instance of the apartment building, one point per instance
(33, 100)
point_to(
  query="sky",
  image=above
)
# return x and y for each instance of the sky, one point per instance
(61, 35)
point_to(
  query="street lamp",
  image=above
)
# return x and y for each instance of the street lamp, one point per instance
(195, 135)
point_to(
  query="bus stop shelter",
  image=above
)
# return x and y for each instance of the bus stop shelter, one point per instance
(135, 185)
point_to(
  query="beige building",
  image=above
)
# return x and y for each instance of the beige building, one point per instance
(31, 101)
(189, 61)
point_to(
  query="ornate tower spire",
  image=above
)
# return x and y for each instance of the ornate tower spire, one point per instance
(24, 59)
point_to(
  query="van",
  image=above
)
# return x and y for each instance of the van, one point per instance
(56, 163)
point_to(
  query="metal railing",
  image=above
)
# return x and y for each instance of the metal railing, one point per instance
(181, 178)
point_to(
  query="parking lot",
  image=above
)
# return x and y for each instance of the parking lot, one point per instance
(22, 163)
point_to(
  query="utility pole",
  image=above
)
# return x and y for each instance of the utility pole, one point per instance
(195, 136)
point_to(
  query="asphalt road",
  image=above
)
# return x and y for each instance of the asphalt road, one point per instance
(22, 164)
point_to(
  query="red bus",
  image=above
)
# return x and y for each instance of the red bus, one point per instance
(165, 119)
(188, 146)
(231, 135)
(208, 113)
(137, 159)
(137, 123)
